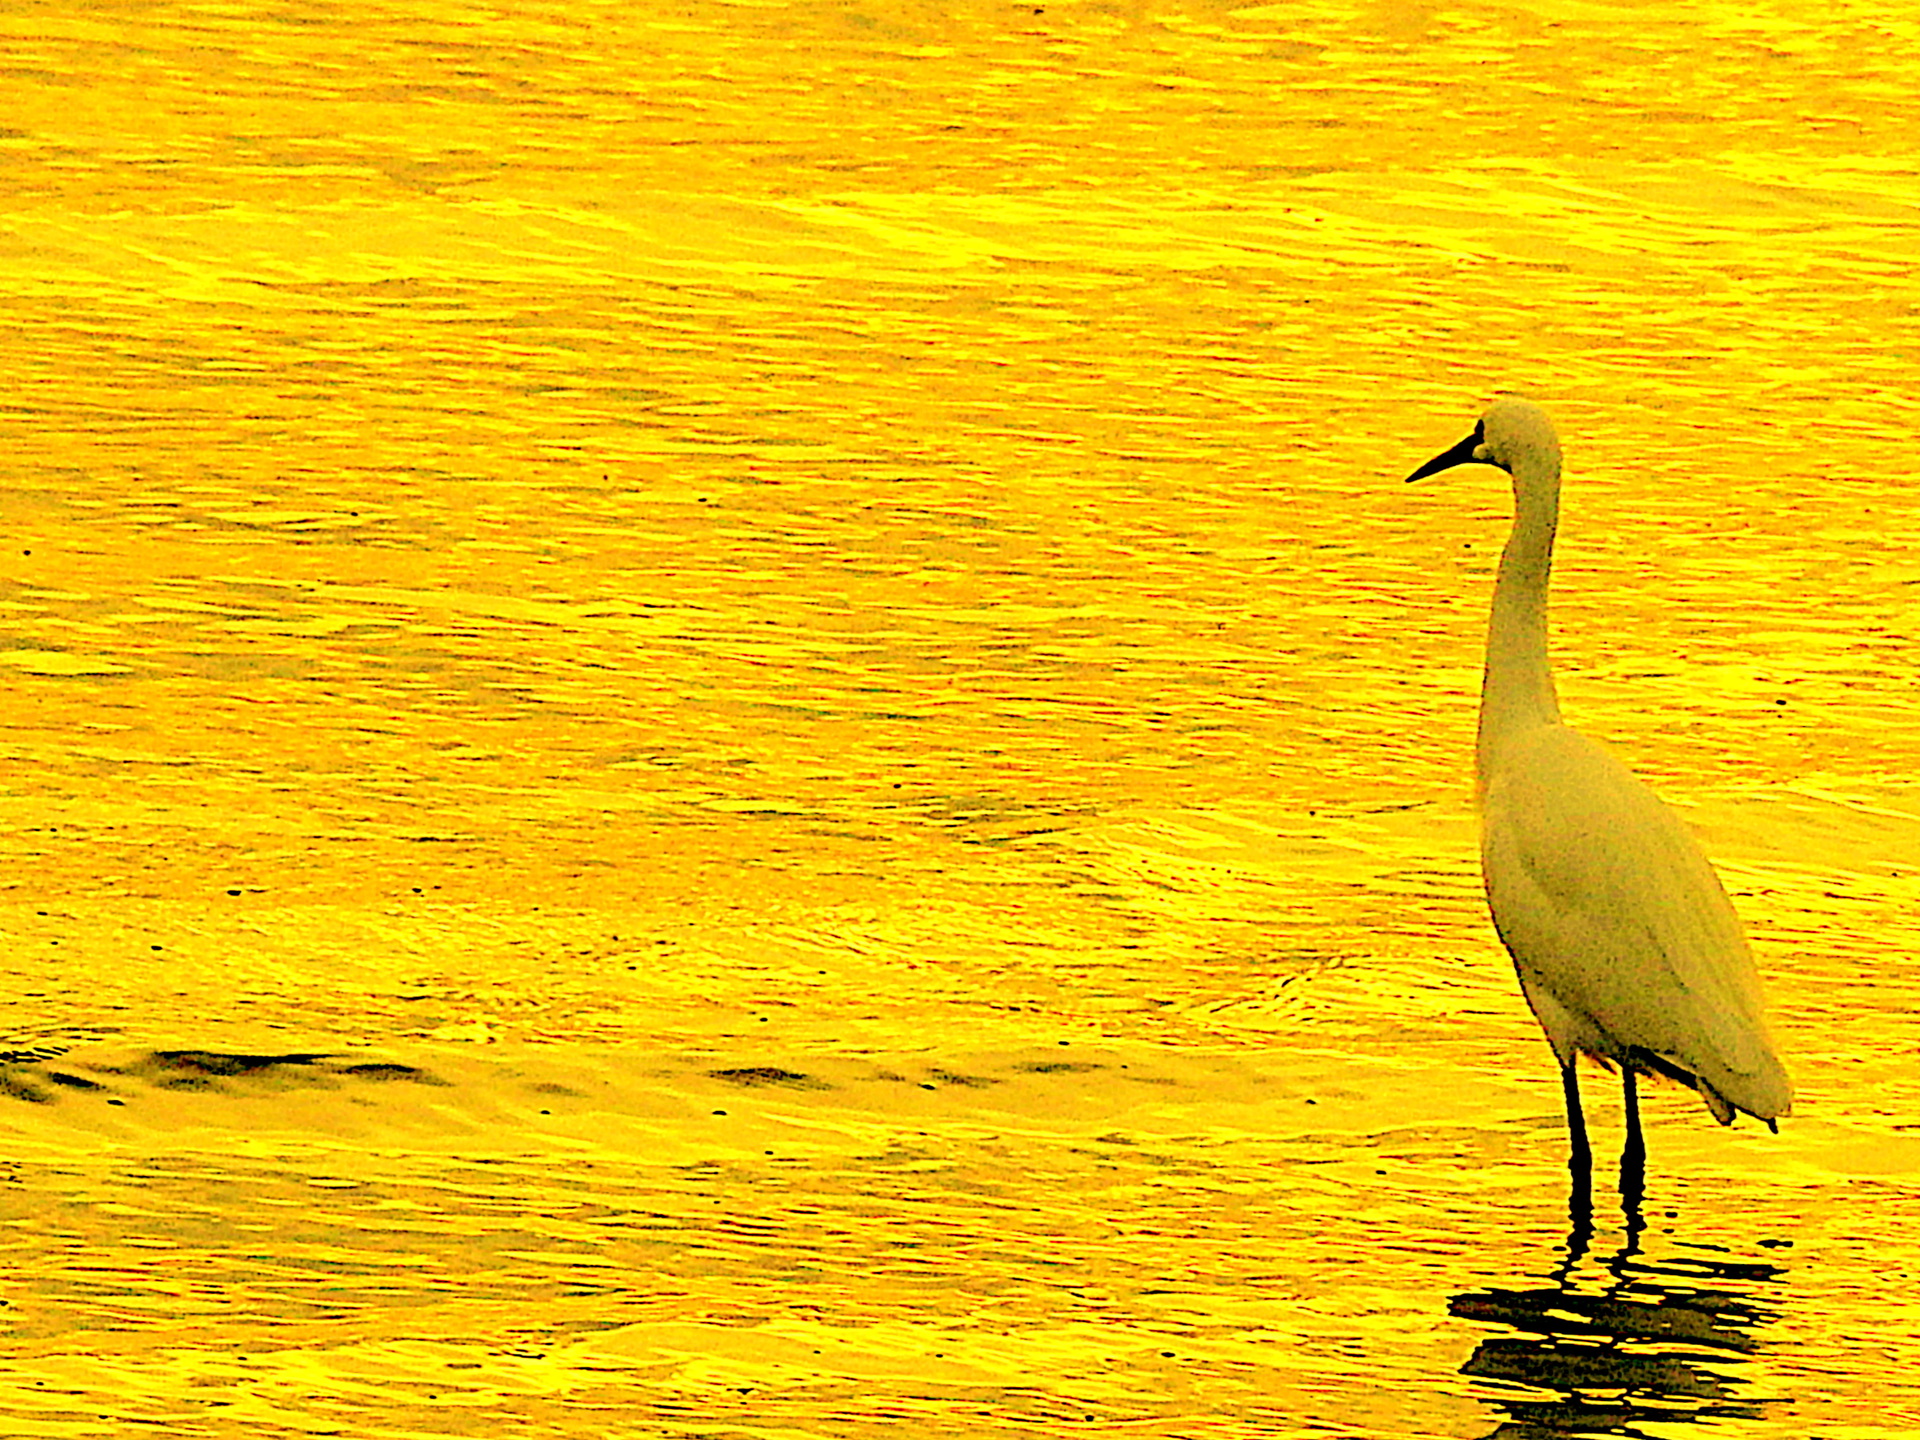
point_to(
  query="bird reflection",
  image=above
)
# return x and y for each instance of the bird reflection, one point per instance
(1658, 1342)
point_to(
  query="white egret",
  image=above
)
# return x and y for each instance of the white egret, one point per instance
(1627, 948)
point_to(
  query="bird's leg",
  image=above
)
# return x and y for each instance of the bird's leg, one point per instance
(1580, 1167)
(1581, 1160)
(1633, 1158)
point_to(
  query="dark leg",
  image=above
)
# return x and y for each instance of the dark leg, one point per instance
(1581, 1160)
(1580, 1167)
(1633, 1159)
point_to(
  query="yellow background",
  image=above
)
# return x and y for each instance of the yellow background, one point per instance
(777, 654)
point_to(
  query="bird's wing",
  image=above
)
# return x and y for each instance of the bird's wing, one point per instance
(1606, 901)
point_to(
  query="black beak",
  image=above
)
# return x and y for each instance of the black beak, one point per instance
(1461, 454)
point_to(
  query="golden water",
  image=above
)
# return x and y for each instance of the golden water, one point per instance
(725, 720)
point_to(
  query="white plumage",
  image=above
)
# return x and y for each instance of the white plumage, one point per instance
(1626, 945)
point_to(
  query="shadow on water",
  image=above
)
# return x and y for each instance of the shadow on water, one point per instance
(1645, 1339)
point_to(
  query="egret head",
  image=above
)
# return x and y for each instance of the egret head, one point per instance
(1514, 434)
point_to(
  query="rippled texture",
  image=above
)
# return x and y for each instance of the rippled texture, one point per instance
(730, 723)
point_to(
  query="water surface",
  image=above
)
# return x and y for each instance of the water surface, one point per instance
(731, 723)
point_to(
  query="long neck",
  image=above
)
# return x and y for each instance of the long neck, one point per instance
(1517, 692)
